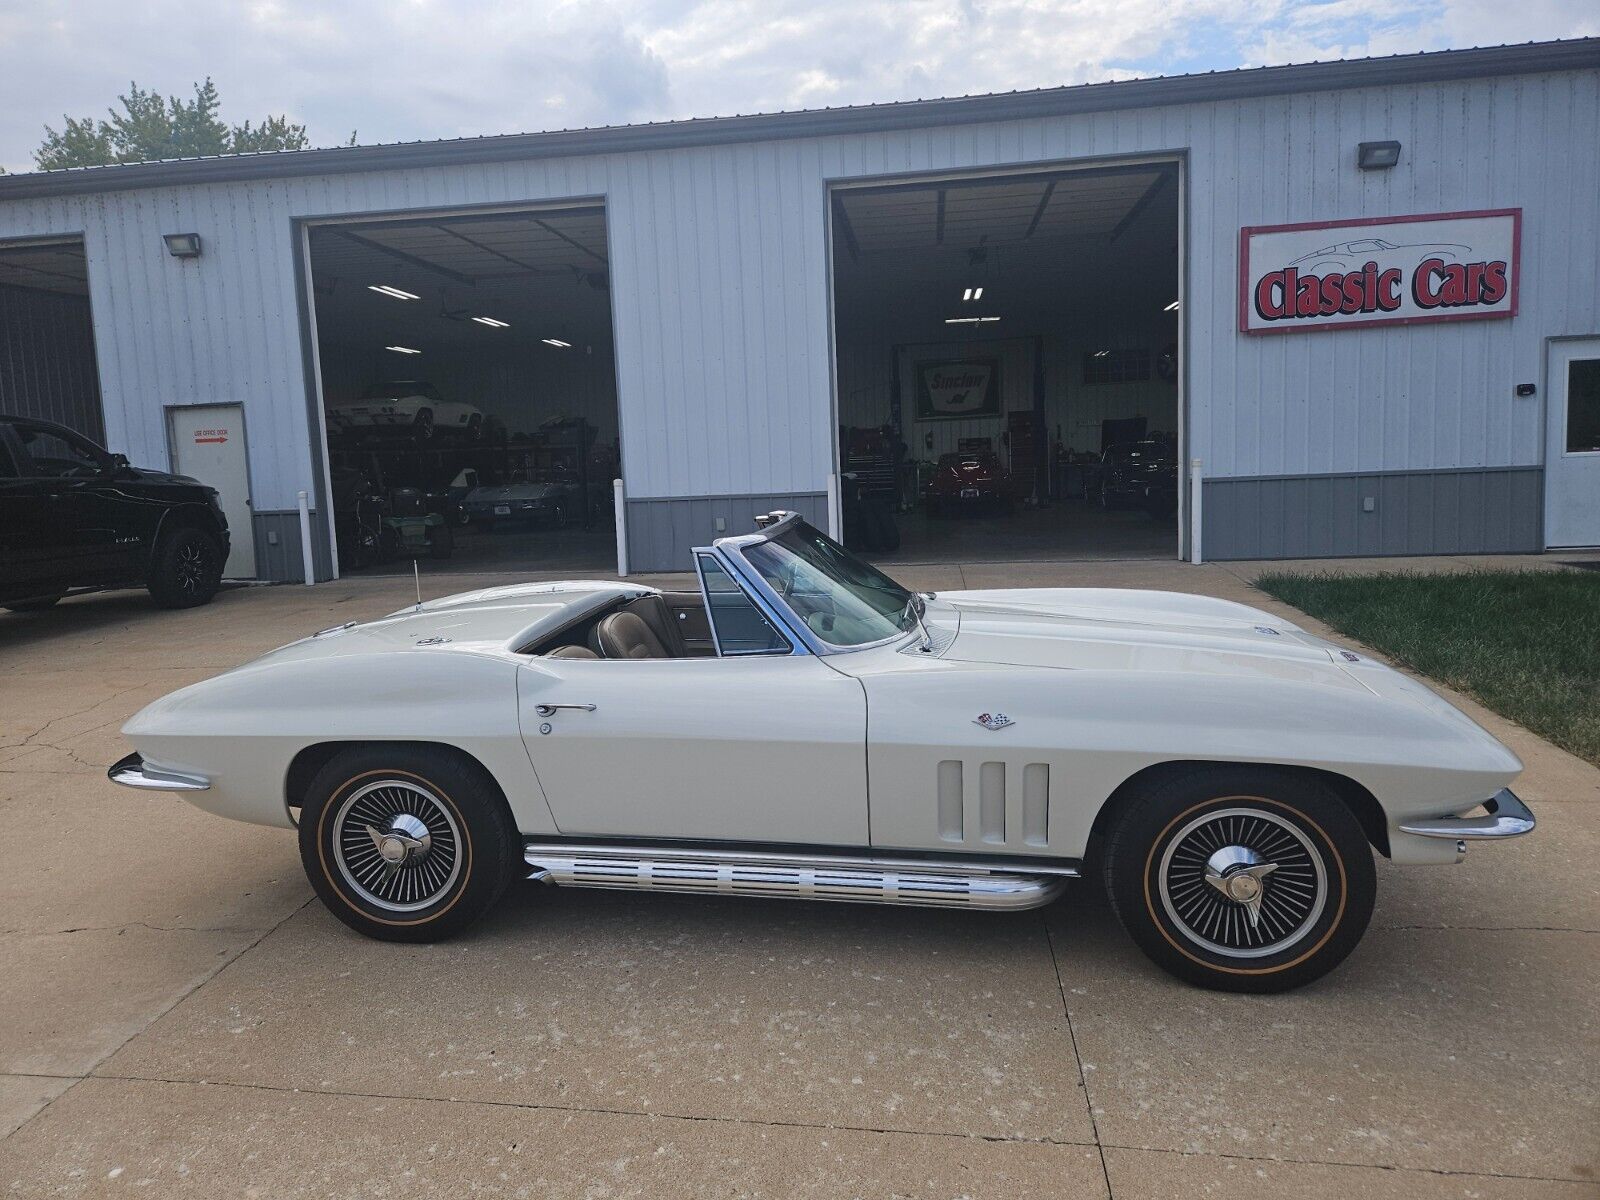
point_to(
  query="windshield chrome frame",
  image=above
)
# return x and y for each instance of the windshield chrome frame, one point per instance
(777, 614)
(730, 550)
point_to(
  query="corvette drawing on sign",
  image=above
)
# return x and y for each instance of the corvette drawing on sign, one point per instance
(803, 726)
(1353, 255)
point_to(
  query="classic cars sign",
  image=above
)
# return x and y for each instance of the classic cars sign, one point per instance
(966, 389)
(1388, 270)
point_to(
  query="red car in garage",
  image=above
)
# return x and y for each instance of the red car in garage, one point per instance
(970, 480)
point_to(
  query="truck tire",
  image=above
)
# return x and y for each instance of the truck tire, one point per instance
(186, 568)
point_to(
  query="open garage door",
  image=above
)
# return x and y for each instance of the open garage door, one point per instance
(47, 359)
(1008, 376)
(469, 390)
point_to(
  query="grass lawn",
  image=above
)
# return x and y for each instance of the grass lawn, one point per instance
(1524, 643)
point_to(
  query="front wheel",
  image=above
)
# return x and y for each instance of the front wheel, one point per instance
(407, 843)
(1242, 880)
(186, 569)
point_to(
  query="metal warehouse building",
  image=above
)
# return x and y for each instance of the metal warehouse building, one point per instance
(1334, 309)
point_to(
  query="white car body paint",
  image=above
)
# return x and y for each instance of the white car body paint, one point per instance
(1098, 685)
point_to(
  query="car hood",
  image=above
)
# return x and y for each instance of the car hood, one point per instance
(147, 475)
(514, 491)
(1114, 629)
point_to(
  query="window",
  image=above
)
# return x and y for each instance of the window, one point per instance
(8, 469)
(1116, 366)
(738, 624)
(844, 601)
(58, 453)
(1583, 406)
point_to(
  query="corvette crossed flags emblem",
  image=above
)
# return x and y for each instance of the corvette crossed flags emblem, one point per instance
(992, 721)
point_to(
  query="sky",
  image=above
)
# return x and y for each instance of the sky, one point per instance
(402, 70)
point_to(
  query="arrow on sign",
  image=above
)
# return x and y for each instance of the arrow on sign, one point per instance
(201, 441)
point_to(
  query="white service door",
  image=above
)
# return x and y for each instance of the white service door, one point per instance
(207, 443)
(729, 749)
(1572, 454)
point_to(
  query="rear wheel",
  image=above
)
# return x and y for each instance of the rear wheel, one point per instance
(406, 844)
(186, 568)
(1242, 880)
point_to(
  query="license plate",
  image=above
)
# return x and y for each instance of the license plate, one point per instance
(969, 493)
(502, 510)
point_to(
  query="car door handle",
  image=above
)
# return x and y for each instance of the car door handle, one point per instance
(549, 710)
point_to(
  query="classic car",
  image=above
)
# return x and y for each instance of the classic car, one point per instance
(1348, 256)
(803, 726)
(550, 501)
(76, 518)
(966, 481)
(410, 406)
(1139, 473)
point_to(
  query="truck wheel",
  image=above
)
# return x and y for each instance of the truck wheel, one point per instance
(407, 843)
(1241, 879)
(186, 569)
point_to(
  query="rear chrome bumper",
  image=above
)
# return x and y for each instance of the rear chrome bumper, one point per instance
(1507, 817)
(132, 772)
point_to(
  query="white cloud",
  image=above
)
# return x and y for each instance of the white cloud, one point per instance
(450, 68)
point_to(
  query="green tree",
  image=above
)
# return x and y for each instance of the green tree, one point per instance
(147, 126)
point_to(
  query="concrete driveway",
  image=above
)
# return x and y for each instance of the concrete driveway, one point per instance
(178, 1017)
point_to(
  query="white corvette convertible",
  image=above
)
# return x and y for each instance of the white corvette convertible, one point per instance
(803, 726)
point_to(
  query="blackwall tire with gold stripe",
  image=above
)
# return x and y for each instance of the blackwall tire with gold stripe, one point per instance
(407, 843)
(1241, 879)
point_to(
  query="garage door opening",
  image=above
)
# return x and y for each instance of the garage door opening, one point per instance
(1007, 371)
(47, 359)
(469, 390)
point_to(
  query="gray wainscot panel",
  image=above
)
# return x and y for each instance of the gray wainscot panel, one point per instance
(1494, 510)
(663, 530)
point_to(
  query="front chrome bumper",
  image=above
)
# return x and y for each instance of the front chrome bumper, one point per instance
(1507, 817)
(132, 772)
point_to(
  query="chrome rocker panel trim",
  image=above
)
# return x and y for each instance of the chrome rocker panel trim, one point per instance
(804, 877)
(1507, 817)
(132, 772)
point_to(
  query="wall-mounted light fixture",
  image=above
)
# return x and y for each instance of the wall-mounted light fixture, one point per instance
(182, 245)
(1377, 156)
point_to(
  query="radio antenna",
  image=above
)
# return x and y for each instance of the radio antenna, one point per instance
(416, 575)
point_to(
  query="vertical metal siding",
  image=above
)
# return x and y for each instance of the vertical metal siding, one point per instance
(720, 292)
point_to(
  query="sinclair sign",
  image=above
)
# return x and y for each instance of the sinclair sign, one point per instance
(1383, 271)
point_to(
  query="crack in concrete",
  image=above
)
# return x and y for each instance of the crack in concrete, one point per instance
(1083, 1077)
(1360, 1166)
(599, 1111)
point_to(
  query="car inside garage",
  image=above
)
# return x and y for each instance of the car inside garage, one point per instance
(47, 356)
(1008, 364)
(468, 390)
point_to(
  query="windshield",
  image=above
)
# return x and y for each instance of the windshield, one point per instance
(842, 600)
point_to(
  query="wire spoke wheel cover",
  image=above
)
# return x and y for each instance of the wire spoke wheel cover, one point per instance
(1242, 882)
(397, 845)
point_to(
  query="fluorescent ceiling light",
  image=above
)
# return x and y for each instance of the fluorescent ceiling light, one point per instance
(402, 349)
(986, 320)
(977, 293)
(383, 289)
(557, 343)
(967, 295)
(1101, 353)
(969, 320)
(492, 323)
(1173, 307)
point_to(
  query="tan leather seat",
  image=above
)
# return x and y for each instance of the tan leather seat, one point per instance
(625, 635)
(572, 652)
(653, 611)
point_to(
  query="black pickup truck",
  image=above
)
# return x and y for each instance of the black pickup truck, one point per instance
(74, 517)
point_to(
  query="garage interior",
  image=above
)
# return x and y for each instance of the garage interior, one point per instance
(47, 358)
(469, 390)
(1007, 365)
